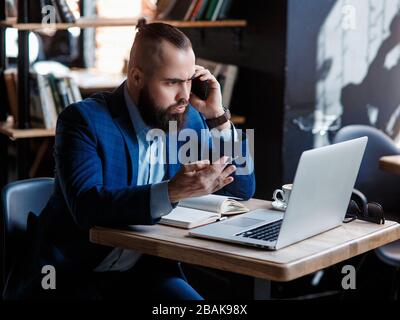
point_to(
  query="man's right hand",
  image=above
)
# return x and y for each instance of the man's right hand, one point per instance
(199, 179)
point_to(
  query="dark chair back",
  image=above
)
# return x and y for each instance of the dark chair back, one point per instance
(376, 184)
(18, 199)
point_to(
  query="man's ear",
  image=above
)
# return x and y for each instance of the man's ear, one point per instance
(136, 77)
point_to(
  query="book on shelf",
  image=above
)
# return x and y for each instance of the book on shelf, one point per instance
(198, 211)
(11, 8)
(201, 11)
(47, 101)
(64, 12)
(179, 10)
(212, 8)
(217, 10)
(35, 107)
(56, 93)
(164, 7)
(62, 90)
(195, 10)
(226, 74)
(10, 79)
(4, 101)
(75, 92)
(189, 11)
(199, 5)
(225, 9)
(49, 95)
(54, 90)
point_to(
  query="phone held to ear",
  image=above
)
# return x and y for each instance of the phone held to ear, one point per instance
(200, 88)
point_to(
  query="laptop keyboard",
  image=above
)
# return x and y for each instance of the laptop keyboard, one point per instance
(268, 232)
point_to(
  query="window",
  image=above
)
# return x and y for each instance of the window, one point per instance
(113, 44)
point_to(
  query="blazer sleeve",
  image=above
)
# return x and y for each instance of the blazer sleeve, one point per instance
(79, 170)
(244, 183)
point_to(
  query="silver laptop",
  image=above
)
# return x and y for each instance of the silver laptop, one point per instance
(320, 195)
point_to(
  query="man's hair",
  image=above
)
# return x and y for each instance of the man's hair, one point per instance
(146, 51)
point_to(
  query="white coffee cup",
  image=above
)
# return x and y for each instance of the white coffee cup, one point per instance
(283, 195)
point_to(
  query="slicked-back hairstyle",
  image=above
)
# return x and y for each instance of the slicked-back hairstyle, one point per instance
(146, 51)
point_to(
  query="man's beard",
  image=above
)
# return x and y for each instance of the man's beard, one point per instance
(155, 117)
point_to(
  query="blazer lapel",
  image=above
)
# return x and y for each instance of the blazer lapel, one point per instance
(123, 121)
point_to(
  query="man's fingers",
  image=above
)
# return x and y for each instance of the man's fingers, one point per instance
(224, 182)
(219, 165)
(216, 167)
(225, 178)
(227, 171)
(195, 166)
(222, 160)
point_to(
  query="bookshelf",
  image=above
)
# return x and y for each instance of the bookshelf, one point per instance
(14, 134)
(122, 22)
(23, 132)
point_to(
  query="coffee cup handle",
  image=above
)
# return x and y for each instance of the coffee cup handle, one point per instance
(276, 193)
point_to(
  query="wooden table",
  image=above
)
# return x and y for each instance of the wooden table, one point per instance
(390, 164)
(286, 264)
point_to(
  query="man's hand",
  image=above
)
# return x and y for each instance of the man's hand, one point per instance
(200, 178)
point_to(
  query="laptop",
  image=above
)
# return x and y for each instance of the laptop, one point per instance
(318, 202)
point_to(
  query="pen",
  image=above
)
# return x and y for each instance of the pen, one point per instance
(222, 219)
(231, 159)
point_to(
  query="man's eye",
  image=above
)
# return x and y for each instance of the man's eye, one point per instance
(170, 83)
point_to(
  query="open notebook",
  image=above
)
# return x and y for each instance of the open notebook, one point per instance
(198, 211)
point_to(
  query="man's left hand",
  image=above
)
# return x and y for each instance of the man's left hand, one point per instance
(212, 107)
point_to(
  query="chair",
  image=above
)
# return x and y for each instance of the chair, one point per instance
(378, 185)
(18, 199)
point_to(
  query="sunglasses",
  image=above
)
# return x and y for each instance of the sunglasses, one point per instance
(367, 211)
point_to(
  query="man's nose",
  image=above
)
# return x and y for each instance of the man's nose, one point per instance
(184, 92)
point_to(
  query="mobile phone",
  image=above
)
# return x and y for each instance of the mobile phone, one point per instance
(200, 88)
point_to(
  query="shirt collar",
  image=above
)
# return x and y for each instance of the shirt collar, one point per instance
(140, 126)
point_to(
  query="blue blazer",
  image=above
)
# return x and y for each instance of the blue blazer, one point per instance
(96, 168)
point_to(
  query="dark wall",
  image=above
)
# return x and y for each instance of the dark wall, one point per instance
(340, 73)
(259, 51)
(305, 19)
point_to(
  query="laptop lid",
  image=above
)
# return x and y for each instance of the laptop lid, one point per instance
(321, 192)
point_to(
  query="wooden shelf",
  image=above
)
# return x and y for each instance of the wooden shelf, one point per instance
(15, 134)
(121, 22)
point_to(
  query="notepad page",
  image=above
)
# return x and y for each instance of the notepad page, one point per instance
(188, 215)
(232, 207)
(209, 202)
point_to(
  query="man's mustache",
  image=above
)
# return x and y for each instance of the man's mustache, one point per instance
(181, 103)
